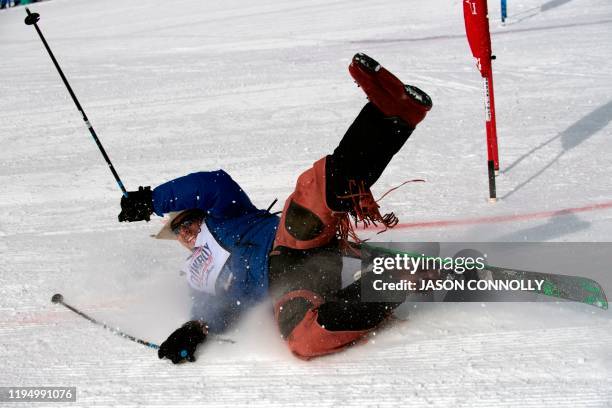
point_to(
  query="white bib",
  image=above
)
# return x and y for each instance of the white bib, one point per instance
(205, 263)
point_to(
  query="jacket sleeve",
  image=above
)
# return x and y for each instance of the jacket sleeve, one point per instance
(212, 191)
(219, 313)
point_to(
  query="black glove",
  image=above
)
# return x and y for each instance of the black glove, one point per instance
(137, 206)
(183, 342)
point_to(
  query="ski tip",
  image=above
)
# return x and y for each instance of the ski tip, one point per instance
(57, 298)
(602, 303)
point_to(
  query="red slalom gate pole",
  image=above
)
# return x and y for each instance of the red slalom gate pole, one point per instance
(475, 14)
(492, 152)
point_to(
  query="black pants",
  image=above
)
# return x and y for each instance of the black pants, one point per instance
(364, 152)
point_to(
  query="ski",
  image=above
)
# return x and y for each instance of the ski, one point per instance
(566, 287)
(573, 288)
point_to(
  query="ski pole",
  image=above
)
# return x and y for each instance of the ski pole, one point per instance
(32, 19)
(58, 298)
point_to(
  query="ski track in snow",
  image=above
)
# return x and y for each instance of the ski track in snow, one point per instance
(263, 91)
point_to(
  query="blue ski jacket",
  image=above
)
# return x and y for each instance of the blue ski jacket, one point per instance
(246, 232)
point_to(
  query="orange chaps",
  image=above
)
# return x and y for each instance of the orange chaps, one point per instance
(307, 224)
(309, 339)
(313, 312)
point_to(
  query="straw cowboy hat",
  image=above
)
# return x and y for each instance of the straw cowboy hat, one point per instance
(174, 219)
(166, 231)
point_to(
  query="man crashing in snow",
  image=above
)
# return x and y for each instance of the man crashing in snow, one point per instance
(241, 254)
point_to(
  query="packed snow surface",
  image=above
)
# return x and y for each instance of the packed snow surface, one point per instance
(261, 89)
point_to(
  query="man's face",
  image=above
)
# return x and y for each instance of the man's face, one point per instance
(188, 233)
